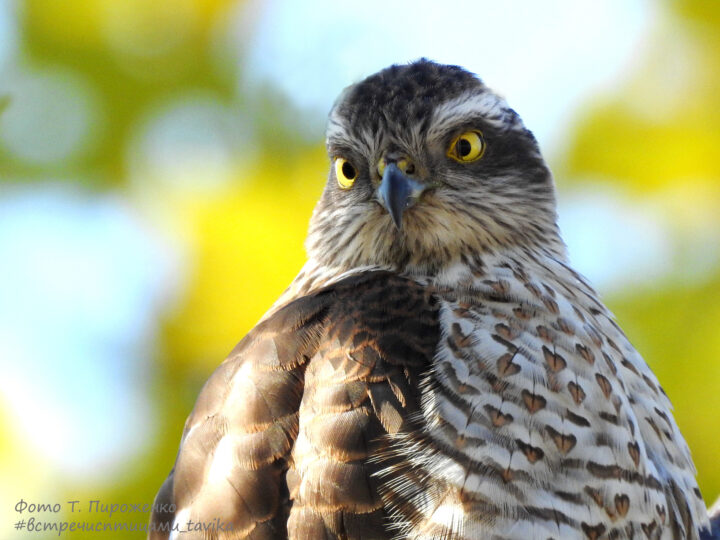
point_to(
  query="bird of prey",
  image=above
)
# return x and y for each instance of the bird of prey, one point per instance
(437, 370)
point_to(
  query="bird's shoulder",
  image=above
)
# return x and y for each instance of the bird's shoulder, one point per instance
(280, 437)
(394, 314)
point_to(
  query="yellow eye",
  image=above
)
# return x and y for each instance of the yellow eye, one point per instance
(345, 173)
(467, 147)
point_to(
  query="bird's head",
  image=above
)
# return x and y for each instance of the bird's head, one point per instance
(429, 166)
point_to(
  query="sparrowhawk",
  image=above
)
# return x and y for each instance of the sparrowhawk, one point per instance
(437, 370)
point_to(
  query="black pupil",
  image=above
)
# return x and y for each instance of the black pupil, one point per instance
(464, 147)
(348, 170)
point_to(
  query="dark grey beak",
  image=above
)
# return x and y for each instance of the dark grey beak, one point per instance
(397, 192)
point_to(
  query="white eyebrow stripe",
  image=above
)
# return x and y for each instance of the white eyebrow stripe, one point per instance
(491, 108)
(339, 132)
(447, 116)
(336, 127)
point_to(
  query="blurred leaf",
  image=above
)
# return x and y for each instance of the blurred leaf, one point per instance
(4, 102)
(247, 245)
(622, 147)
(702, 11)
(663, 125)
(659, 135)
(135, 55)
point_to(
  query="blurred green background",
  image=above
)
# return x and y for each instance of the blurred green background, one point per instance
(159, 162)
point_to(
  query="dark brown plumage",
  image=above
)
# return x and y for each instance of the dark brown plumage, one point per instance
(349, 355)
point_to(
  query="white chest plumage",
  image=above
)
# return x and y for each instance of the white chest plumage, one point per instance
(541, 419)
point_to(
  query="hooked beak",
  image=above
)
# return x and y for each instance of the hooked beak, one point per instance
(397, 192)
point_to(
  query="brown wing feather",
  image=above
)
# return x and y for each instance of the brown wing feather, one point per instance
(279, 442)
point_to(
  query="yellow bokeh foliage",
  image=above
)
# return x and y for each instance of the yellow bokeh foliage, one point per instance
(246, 243)
(657, 138)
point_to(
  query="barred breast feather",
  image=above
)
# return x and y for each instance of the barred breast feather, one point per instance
(539, 420)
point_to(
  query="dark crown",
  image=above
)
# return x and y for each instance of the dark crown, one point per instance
(404, 93)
